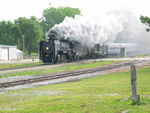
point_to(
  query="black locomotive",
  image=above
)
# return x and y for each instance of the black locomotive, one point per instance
(59, 50)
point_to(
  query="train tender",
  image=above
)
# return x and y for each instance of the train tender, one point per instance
(59, 50)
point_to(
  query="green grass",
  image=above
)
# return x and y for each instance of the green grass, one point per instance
(61, 69)
(143, 55)
(109, 93)
(6, 66)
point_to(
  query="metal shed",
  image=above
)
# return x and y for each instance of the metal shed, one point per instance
(8, 52)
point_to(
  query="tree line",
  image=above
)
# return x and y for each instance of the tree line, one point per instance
(31, 31)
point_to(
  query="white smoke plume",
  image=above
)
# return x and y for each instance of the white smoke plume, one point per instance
(115, 26)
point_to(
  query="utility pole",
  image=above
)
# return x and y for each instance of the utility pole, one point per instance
(23, 45)
(46, 35)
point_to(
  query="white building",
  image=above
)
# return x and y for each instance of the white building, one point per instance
(8, 52)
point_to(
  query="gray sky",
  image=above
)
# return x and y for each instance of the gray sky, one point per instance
(12, 9)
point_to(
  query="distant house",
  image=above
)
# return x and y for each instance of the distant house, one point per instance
(8, 52)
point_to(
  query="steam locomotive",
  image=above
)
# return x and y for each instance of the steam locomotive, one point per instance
(60, 50)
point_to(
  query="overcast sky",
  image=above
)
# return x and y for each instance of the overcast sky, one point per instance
(12, 9)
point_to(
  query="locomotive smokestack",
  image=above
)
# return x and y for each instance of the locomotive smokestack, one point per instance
(53, 34)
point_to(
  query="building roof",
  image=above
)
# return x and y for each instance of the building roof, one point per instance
(10, 46)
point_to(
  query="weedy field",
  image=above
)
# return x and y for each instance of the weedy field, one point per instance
(109, 93)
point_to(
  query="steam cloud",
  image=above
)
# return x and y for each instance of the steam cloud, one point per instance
(115, 26)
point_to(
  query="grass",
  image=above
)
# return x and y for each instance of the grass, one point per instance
(6, 66)
(61, 69)
(143, 55)
(109, 93)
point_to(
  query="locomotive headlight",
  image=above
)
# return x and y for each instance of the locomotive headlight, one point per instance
(47, 48)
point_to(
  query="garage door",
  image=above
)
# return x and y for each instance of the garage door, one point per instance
(4, 54)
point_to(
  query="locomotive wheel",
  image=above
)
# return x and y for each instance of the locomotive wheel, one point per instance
(63, 59)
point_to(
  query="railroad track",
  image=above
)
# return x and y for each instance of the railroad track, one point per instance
(62, 75)
(39, 65)
(22, 67)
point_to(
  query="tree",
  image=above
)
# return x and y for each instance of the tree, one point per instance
(9, 33)
(146, 21)
(52, 16)
(32, 32)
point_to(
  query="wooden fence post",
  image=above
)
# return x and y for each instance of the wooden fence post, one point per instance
(135, 96)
